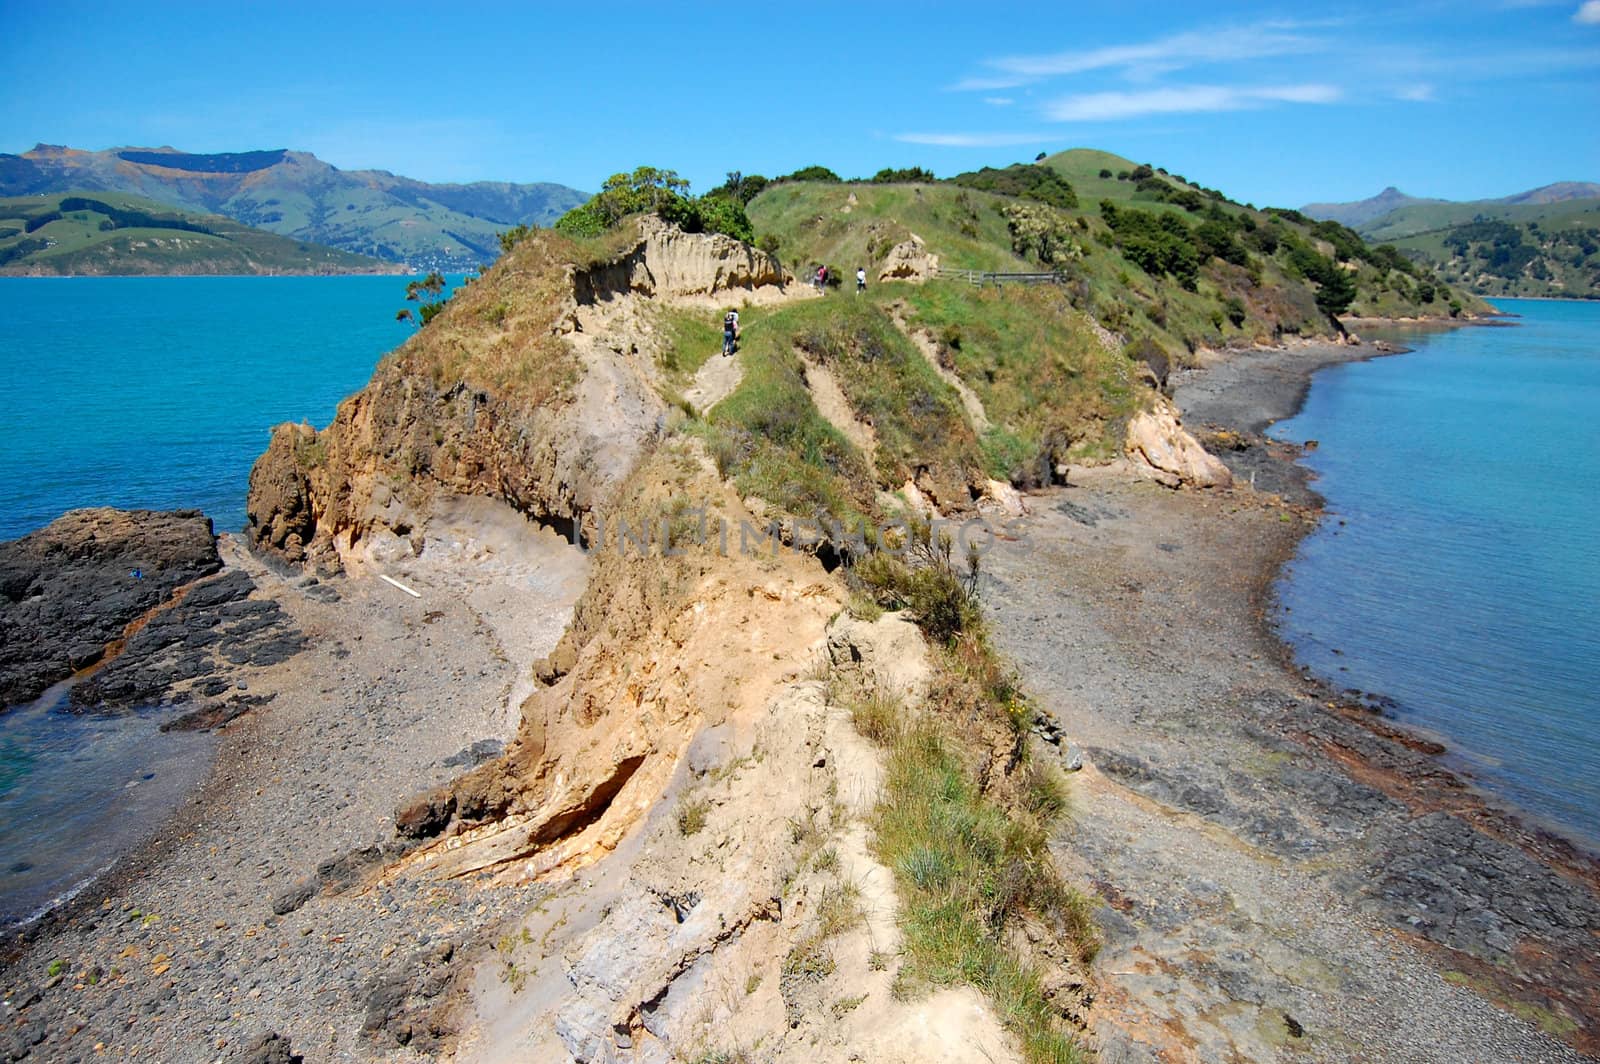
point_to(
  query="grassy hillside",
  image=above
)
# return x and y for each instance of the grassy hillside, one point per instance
(114, 233)
(1171, 265)
(295, 194)
(1501, 249)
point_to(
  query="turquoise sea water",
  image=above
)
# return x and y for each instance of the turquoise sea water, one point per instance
(159, 391)
(155, 392)
(1459, 570)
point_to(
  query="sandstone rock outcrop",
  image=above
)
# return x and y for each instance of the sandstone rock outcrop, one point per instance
(909, 260)
(1162, 449)
(671, 264)
(548, 411)
(559, 418)
(72, 587)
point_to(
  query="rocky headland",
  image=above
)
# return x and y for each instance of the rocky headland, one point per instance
(490, 794)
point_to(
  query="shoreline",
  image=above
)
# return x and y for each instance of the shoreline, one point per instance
(1278, 408)
(258, 905)
(1245, 823)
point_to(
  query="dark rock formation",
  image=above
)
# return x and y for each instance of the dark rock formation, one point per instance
(71, 588)
(215, 625)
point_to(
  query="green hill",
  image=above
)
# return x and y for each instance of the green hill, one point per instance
(1502, 249)
(114, 233)
(1169, 263)
(295, 194)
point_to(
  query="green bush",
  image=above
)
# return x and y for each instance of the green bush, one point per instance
(1157, 243)
(649, 189)
(1027, 181)
(811, 173)
(914, 175)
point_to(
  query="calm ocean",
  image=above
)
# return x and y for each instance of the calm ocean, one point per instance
(159, 391)
(1459, 570)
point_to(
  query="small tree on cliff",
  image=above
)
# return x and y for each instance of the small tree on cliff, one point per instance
(428, 295)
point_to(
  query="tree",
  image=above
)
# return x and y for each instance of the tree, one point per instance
(812, 173)
(1042, 230)
(739, 187)
(428, 295)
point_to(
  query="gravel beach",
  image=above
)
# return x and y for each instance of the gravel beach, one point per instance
(1287, 875)
(258, 908)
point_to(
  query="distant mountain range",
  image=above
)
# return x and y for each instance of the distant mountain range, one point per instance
(1360, 212)
(113, 233)
(1543, 242)
(296, 195)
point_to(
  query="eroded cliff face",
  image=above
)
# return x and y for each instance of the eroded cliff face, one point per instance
(682, 678)
(668, 263)
(537, 386)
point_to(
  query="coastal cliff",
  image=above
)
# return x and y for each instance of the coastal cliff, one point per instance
(749, 768)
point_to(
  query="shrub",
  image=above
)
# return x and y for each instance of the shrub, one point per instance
(692, 816)
(943, 600)
(511, 237)
(1156, 243)
(1236, 311)
(1041, 230)
(910, 176)
(741, 188)
(811, 173)
(649, 189)
(1026, 181)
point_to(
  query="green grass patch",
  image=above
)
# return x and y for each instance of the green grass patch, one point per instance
(964, 868)
(768, 438)
(918, 418)
(1034, 362)
(689, 336)
(970, 861)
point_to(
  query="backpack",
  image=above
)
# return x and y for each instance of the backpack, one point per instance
(730, 320)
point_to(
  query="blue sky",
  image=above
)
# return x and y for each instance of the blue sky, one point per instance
(1272, 105)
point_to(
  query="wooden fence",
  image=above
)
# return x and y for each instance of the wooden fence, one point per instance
(979, 278)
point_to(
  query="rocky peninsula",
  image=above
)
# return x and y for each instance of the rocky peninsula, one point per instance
(505, 787)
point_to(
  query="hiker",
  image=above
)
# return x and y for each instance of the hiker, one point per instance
(861, 279)
(730, 331)
(822, 279)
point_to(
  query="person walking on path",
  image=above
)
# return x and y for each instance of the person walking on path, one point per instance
(730, 332)
(822, 280)
(861, 279)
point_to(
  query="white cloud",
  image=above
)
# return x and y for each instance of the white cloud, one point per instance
(1588, 14)
(989, 84)
(998, 101)
(1152, 58)
(974, 140)
(1421, 92)
(1111, 106)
